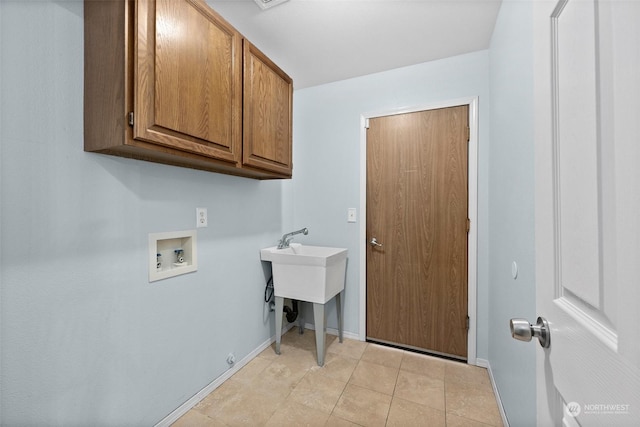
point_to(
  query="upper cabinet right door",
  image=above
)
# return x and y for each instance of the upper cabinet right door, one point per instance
(267, 115)
(188, 69)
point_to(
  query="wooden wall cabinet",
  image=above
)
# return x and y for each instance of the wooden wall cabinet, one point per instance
(268, 101)
(164, 83)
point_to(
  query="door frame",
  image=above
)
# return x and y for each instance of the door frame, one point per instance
(472, 243)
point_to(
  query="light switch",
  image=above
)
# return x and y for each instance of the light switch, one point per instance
(351, 215)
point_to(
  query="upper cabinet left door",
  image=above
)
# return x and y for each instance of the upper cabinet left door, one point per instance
(187, 79)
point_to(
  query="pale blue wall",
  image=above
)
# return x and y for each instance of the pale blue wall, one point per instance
(86, 339)
(511, 209)
(327, 157)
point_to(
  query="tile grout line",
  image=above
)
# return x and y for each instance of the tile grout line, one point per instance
(394, 388)
(345, 387)
(444, 390)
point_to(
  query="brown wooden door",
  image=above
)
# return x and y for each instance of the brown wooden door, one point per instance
(188, 79)
(417, 204)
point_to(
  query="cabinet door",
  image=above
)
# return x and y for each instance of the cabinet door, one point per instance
(267, 124)
(187, 79)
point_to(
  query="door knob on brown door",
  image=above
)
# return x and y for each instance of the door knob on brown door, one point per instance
(375, 243)
(522, 330)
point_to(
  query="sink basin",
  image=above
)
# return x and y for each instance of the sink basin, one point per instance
(307, 273)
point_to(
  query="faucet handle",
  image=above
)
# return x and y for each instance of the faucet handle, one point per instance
(284, 242)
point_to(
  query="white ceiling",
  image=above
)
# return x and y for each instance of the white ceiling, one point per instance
(321, 41)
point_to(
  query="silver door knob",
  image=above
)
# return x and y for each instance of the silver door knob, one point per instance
(374, 243)
(522, 330)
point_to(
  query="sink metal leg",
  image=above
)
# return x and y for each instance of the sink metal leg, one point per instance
(279, 307)
(300, 319)
(319, 320)
(340, 310)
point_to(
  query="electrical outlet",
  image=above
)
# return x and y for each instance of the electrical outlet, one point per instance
(231, 359)
(201, 217)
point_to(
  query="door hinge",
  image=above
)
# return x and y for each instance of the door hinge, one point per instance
(468, 225)
(468, 134)
(467, 322)
(366, 123)
(131, 118)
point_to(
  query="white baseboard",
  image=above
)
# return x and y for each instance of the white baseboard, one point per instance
(332, 331)
(485, 364)
(193, 401)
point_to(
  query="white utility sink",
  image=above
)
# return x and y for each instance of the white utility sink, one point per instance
(307, 273)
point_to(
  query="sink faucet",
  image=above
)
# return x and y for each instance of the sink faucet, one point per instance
(286, 238)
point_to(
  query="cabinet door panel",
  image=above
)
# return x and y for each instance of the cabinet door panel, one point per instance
(188, 77)
(268, 95)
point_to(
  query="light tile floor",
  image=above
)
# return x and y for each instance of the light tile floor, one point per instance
(361, 384)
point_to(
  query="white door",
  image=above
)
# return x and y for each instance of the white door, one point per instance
(587, 136)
